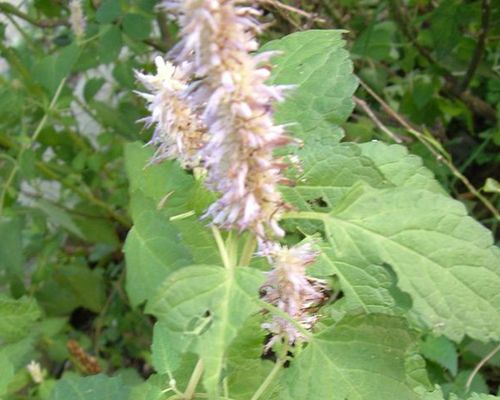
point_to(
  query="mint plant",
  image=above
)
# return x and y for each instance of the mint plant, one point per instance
(226, 275)
(226, 228)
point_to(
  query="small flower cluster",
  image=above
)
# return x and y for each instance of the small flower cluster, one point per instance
(289, 288)
(178, 134)
(216, 110)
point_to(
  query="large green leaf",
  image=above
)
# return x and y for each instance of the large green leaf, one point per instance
(443, 258)
(17, 316)
(97, 387)
(201, 309)
(317, 63)
(52, 69)
(152, 251)
(157, 245)
(359, 358)
(166, 182)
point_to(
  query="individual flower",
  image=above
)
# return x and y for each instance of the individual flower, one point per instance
(77, 18)
(235, 104)
(35, 370)
(178, 132)
(288, 288)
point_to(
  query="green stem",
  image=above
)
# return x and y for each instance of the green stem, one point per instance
(248, 250)
(7, 8)
(272, 375)
(232, 248)
(303, 215)
(275, 310)
(28, 144)
(221, 246)
(194, 380)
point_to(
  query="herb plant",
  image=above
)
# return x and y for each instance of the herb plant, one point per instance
(270, 258)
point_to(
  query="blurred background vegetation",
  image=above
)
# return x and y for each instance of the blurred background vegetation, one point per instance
(429, 76)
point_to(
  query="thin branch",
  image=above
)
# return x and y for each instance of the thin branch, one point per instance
(194, 380)
(8, 8)
(480, 365)
(481, 42)
(433, 148)
(452, 87)
(277, 4)
(366, 108)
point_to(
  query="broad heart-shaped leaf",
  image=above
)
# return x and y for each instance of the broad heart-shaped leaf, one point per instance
(359, 358)
(95, 387)
(157, 245)
(200, 309)
(444, 259)
(317, 63)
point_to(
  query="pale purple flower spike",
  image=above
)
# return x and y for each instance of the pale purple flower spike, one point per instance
(178, 134)
(230, 92)
(289, 288)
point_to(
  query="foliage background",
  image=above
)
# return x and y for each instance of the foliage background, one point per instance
(429, 78)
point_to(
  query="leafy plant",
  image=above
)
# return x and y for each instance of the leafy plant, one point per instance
(401, 298)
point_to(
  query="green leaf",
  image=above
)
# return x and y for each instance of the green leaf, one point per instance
(376, 41)
(317, 63)
(52, 69)
(436, 250)
(18, 316)
(108, 11)
(92, 86)
(110, 44)
(71, 286)
(152, 252)
(97, 387)
(11, 249)
(59, 217)
(246, 370)
(166, 183)
(441, 351)
(137, 26)
(491, 186)
(156, 245)
(398, 167)
(201, 309)
(354, 359)
(7, 373)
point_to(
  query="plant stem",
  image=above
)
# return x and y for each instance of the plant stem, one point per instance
(221, 246)
(272, 375)
(434, 148)
(7, 8)
(248, 250)
(28, 144)
(232, 248)
(193, 381)
(480, 365)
